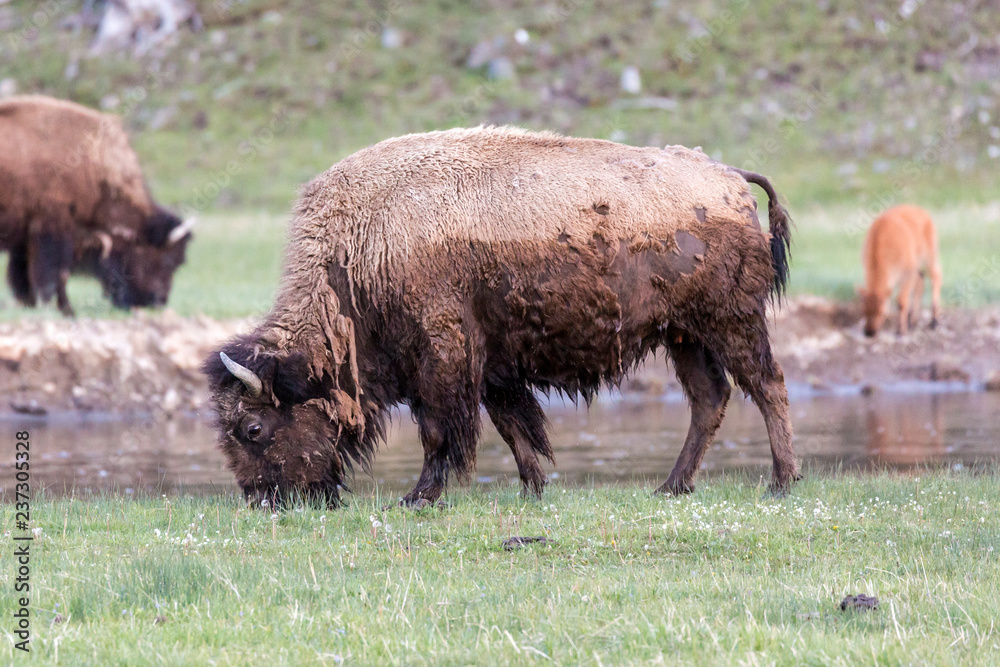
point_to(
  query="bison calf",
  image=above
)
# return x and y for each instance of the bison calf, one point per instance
(469, 267)
(901, 245)
(73, 199)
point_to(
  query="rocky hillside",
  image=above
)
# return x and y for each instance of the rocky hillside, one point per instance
(245, 99)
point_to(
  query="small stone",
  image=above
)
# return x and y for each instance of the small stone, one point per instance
(32, 408)
(391, 38)
(512, 543)
(859, 602)
(948, 370)
(631, 81)
(993, 381)
(500, 69)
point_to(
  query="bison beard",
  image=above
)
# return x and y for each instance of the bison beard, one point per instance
(468, 268)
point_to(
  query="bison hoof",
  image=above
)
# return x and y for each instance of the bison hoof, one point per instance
(675, 488)
(780, 488)
(421, 503)
(533, 489)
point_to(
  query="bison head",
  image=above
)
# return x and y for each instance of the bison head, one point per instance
(279, 426)
(873, 308)
(137, 269)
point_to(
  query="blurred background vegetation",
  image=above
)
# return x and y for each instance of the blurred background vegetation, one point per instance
(847, 106)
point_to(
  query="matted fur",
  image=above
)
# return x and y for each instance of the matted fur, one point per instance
(464, 267)
(72, 196)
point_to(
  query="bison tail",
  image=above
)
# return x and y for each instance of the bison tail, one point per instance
(779, 223)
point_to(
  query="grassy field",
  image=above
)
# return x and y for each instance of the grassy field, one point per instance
(726, 576)
(234, 263)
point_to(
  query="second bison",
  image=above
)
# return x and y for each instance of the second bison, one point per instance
(73, 199)
(469, 267)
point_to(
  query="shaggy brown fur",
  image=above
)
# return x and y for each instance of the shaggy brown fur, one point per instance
(901, 245)
(466, 267)
(72, 198)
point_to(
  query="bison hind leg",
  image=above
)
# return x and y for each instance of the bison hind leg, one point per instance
(703, 378)
(519, 420)
(746, 353)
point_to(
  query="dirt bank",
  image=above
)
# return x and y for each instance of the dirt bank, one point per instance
(149, 362)
(822, 348)
(144, 363)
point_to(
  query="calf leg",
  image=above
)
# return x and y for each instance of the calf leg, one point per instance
(520, 421)
(704, 381)
(935, 292)
(917, 305)
(906, 289)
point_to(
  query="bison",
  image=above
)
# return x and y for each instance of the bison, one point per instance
(73, 199)
(469, 267)
(900, 247)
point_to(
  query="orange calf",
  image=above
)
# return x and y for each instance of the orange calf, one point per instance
(901, 246)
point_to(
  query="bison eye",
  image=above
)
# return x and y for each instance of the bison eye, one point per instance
(253, 431)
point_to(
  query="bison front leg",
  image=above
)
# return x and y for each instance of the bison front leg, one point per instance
(447, 407)
(520, 421)
(50, 258)
(704, 381)
(18, 278)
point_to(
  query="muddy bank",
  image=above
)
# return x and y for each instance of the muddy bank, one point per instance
(144, 363)
(149, 362)
(822, 348)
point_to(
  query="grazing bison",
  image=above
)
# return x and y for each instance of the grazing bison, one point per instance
(471, 266)
(901, 245)
(72, 198)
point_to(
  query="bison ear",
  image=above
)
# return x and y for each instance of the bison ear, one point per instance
(291, 382)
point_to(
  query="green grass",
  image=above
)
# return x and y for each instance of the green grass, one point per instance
(726, 576)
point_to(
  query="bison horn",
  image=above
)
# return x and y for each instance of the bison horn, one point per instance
(244, 375)
(181, 230)
(106, 244)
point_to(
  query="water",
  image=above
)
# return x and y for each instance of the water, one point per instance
(625, 440)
